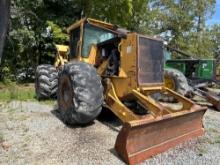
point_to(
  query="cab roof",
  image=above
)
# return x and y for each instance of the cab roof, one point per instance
(98, 23)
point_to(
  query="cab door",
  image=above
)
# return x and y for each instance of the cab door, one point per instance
(75, 43)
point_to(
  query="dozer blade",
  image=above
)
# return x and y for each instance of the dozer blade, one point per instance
(141, 139)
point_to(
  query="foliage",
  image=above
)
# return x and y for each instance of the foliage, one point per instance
(215, 38)
(58, 35)
(30, 41)
(183, 24)
(135, 15)
(36, 26)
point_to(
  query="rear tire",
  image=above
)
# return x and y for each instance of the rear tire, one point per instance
(180, 86)
(80, 93)
(46, 81)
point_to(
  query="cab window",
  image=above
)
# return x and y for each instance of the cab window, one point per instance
(94, 35)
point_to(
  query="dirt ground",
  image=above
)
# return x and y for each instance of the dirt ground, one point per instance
(31, 133)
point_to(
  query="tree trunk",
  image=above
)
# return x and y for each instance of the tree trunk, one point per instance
(4, 21)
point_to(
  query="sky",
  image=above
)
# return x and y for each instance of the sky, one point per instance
(216, 17)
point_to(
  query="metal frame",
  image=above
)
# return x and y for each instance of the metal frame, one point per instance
(146, 135)
(61, 56)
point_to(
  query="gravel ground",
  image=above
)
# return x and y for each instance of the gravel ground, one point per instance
(31, 133)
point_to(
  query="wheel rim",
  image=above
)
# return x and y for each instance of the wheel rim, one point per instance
(66, 93)
(169, 82)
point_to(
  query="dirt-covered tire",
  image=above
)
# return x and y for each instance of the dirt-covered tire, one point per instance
(46, 82)
(180, 82)
(80, 93)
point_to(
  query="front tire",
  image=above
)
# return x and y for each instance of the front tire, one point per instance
(80, 93)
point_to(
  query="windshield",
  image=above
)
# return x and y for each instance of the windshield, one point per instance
(94, 35)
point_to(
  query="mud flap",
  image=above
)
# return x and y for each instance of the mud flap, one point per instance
(141, 139)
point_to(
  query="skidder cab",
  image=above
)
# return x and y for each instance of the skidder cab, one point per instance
(124, 69)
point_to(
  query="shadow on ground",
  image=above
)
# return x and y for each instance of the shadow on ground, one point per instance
(57, 114)
(106, 117)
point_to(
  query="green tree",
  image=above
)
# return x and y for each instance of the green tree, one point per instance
(135, 15)
(214, 33)
(29, 42)
(182, 24)
(36, 26)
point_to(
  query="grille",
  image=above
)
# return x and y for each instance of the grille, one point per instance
(150, 61)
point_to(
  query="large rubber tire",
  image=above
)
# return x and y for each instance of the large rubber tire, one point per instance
(46, 82)
(180, 82)
(80, 93)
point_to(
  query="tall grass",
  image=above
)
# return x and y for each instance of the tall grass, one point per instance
(13, 91)
(20, 92)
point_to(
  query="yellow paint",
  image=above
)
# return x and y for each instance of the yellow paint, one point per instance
(93, 54)
(61, 56)
(169, 82)
(101, 24)
(75, 25)
(117, 107)
(124, 85)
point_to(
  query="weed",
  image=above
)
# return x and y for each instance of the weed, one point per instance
(24, 145)
(22, 117)
(49, 102)
(1, 137)
(202, 150)
(205, 140)
(16, 92)
(11, 111)
(26, 129)
(213, 130)
(217, 139)
(24, 92)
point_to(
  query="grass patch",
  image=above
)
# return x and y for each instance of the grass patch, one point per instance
(205, 140)
(213, 130)
(20, 92)
(13, 91)
(202, 151)
(21, 117)
(217, 139)
(2, 139)
(48, 102)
